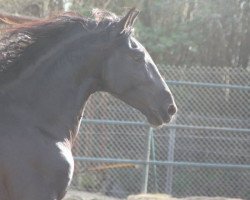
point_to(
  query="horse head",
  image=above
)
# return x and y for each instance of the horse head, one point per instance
(131, 75)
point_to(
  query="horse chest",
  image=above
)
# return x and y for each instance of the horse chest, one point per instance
(58, 165)
(67, 158)
(61, 168)
(46, 163)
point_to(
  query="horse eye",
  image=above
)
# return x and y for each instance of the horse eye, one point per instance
(133, 45)
(138, 56)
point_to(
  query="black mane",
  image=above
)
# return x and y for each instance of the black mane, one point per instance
(44, 32)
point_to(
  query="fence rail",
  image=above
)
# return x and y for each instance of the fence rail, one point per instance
(209, 85)
(154, 162)
(134, 123)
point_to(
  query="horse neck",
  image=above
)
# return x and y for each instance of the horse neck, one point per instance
(51, 96)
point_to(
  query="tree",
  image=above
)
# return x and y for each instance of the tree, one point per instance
(209, 33)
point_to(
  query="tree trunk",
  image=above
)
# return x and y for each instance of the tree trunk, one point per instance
(55, 7)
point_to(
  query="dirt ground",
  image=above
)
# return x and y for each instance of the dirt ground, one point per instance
(77, 195)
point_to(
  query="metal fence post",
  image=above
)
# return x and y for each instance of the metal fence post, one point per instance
(171, 144)
(147, 159)
(154, 165)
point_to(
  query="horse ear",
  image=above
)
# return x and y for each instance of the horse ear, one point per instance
(126, 23)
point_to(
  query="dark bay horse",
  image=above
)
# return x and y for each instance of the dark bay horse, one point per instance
(48, 70)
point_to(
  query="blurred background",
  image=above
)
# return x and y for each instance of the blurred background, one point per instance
(184, 32)
(202, 48)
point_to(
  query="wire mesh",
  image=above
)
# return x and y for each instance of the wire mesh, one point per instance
(199, 105)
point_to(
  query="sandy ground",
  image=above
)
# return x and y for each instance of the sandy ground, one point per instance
(77, 195)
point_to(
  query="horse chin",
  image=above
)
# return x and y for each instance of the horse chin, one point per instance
(155, 124)
(156, 120)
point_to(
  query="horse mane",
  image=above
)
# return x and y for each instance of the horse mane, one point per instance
(6, 18)
(21, 36)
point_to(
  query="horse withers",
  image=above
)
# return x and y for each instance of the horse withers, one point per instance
(48, 70)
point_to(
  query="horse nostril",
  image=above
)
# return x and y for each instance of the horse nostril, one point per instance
(171, 109)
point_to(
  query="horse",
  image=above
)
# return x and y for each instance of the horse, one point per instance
(48, 70)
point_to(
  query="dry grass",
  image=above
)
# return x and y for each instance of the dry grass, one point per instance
(77, 195)
(167, 197)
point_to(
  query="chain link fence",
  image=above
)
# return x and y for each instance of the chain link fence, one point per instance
(205, 151)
